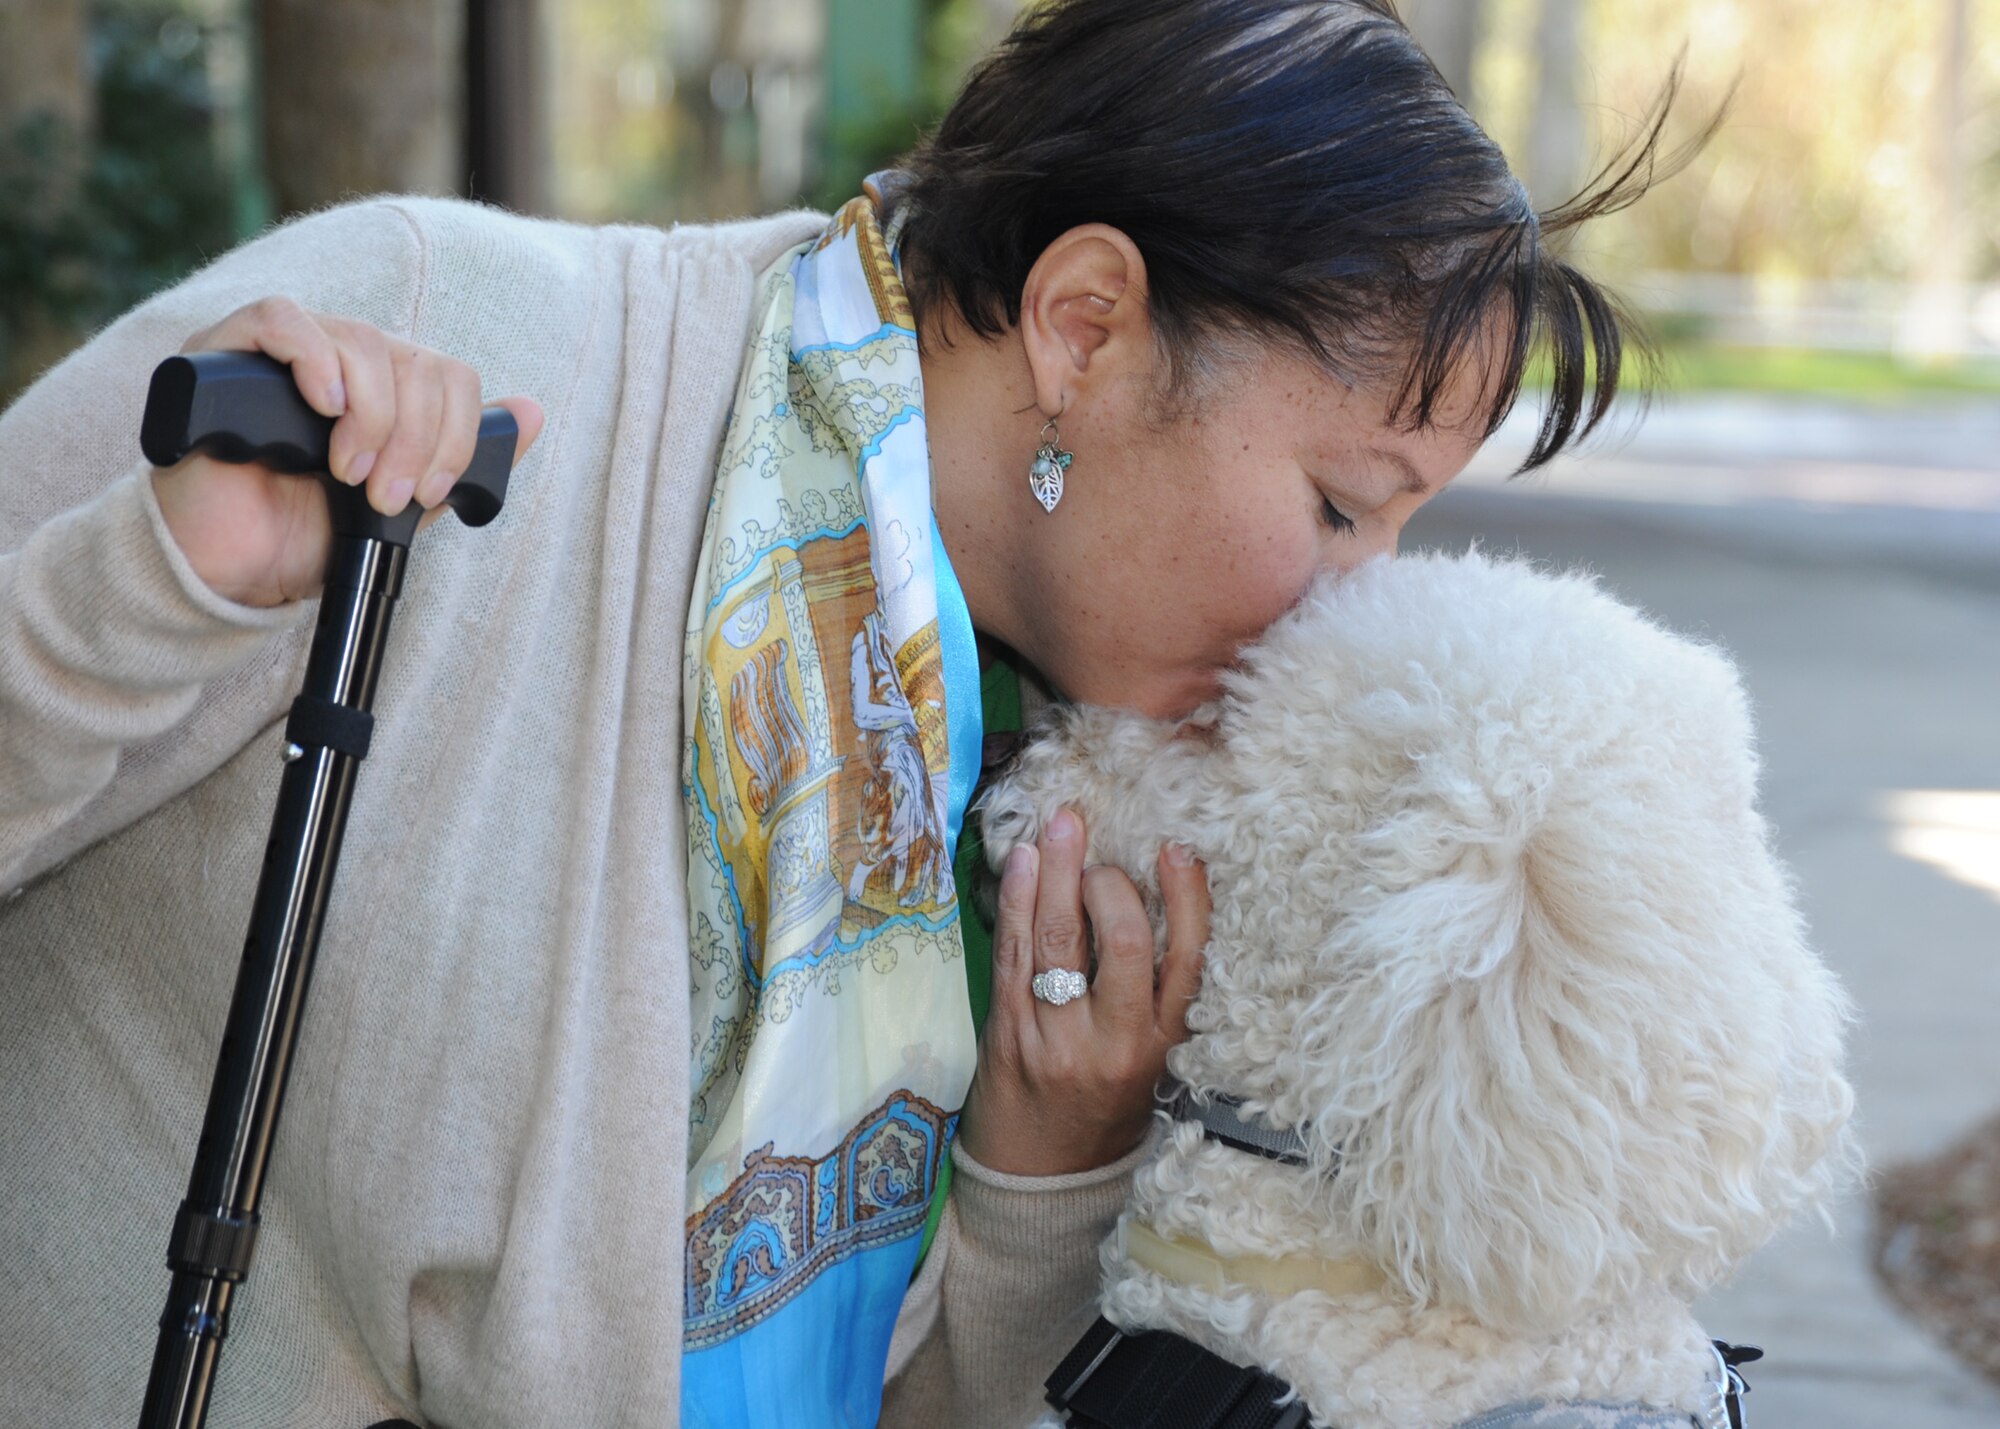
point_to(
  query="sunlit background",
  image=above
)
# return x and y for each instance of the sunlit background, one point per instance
(1816, 485)
(1837, 235)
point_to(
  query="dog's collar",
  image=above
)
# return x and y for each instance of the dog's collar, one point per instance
(1190, 1263)
(1220, 1117)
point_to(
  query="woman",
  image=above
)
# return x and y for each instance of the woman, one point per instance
(641, 1028)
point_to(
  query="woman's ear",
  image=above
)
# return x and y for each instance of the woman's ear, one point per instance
(1084, 318)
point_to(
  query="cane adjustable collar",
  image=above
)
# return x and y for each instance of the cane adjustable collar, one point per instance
(1220, 1117)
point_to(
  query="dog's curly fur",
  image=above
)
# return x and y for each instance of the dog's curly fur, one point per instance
(1499, 926)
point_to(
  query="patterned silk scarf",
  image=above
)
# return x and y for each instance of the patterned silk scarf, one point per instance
(832, 698)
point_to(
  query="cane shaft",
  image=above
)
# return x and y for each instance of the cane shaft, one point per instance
(210, 1251)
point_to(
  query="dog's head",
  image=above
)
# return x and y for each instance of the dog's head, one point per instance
(1497, 922)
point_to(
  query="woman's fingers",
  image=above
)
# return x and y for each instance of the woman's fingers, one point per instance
(527, 427)
(458, 432)
(1121, 995)
(527, 422)
(407, 417)
(1184, 891)
(280, 328)
(370, 375)
(405, 458)
(1063, 1089)
(1059, 940)
(1012, 1007)
(406, 422)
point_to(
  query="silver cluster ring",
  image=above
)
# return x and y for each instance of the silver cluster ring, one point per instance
(1059, 985)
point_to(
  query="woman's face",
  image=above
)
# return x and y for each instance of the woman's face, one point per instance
(1175, 545)
(1178, 538)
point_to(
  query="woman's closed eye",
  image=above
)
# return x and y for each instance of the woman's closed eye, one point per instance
(1331, 515)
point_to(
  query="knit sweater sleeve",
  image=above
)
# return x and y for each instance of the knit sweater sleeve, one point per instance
(123, 678)
(1009, 1285)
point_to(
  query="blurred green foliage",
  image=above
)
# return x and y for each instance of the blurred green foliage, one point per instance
(951, 36)
(41, 228)
(1679, 358)
(91, 224)
(1865, 376)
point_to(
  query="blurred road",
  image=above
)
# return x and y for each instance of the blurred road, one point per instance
(1861, 597)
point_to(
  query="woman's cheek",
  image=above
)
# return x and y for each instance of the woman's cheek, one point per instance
(1266, 580)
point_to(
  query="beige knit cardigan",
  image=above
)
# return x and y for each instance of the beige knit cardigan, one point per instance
(474, 1213)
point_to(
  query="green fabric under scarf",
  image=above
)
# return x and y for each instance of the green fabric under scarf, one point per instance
(1000, 703)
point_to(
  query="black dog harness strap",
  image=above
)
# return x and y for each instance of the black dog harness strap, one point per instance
(1221, 1118)
(1159, 1380)
(1155, 1380)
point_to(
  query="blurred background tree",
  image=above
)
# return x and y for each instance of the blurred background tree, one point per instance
(113, 175)
(1844, 222)
(373, 98)
(1851, 201)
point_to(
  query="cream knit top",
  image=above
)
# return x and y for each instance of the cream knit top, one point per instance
(474, 1212)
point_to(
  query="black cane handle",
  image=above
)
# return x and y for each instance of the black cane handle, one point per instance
(245, 407)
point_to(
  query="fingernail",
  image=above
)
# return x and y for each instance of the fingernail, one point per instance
(1180, 855)
(358, 469)
(1020, 863)
(336, 396)
(432, 488)
(1064, 825)
(399, 495)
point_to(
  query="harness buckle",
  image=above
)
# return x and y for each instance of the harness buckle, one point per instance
(1730, 1385)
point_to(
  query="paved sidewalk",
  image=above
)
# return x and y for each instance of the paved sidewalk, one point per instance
(1940, 431)
(1915, 488)
(1868, 630)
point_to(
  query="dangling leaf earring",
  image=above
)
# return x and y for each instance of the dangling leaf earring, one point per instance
(1045, 473)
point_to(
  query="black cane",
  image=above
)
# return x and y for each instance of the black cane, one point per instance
(241, 407)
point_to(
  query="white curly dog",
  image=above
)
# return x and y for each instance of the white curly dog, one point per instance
(1500, 935)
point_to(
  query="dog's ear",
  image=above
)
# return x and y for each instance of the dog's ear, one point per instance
(1560, 1028)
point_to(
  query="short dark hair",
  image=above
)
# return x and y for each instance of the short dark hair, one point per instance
(1294, 170)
